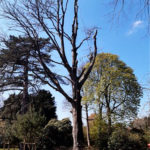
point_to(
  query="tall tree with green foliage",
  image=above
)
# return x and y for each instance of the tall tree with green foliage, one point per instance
(117, 90)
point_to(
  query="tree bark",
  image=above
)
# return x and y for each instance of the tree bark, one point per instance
(87, 128)
(4, 146)
(100, 111)
(25, 88)
(109, 120)
(108, 109)
(77, 131)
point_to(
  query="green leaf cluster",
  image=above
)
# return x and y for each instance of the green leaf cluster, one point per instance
(113, 86)
(42, 102)
(125, 140)
(28, 127)
(56, 133)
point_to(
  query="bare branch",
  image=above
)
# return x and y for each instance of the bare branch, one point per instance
(86, 72)
(52, 77)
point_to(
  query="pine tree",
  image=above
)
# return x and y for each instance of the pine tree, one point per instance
(18, 63)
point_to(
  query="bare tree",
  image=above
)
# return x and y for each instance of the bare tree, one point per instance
(34, 17)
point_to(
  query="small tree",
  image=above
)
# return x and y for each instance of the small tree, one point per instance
(99, 133)
(8, 137)
(56, 133)
(28, 127)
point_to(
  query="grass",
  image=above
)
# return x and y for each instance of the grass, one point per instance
(9, 149)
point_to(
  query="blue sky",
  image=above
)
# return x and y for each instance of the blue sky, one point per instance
(126, 37)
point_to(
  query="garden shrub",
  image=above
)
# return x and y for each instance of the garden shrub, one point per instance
(56, 133)
(125, 140)
(28, 127)
(99, 133)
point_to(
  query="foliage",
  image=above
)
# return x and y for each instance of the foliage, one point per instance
(147, 135)
(125, 140)
(18, 66)
(56, 133)
(18, 61)
(41, 102)
(99, 133)
(119, 126)
(8, 136)
(88, 93)
(142, 125)
(28, 127)
(12, 106)
(114, 87)
(44, 104)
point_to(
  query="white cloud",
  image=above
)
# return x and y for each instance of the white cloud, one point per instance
(137, 23)
(135, 26)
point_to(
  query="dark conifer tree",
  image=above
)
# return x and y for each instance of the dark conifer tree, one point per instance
(18, 63)
(42, 102)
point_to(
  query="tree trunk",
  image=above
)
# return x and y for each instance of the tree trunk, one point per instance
(109, 120)
(77, 131)
(100, 111)
(4, 146)
(87, 128)
(8, 146)
(24, 146)
(25, 88)
(108, 111)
